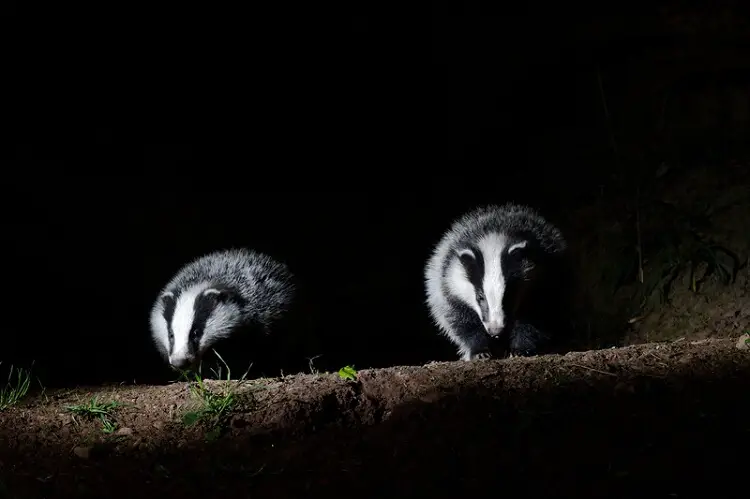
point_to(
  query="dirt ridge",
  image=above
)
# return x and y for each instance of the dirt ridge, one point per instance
(450, 425)
(304, 403)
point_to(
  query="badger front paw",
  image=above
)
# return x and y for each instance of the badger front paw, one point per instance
(522, 353)
(481, 356)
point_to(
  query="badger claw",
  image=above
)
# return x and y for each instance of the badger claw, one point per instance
(482, 356)
(521, 353)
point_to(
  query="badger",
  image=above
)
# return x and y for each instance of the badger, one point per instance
(494, 282)
(216, 296)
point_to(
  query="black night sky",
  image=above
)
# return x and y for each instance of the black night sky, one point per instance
(344, 148)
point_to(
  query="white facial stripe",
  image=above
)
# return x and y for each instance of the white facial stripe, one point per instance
(516, 246)
(182, 321)
(492, 246)
(212, 292)
(460, 286)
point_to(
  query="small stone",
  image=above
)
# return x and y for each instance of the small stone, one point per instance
(82, 452)
(743, 343)
(124, 431)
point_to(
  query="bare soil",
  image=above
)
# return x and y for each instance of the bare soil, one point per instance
(610, 423)
(714, 310)
(687, 203)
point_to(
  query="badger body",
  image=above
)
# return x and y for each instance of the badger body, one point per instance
(495, 282)
(228, 294)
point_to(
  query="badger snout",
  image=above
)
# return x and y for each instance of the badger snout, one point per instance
(494, 328)
(181, 361)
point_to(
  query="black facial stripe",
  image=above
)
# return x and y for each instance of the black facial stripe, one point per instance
(475, 272)
(483, 306)
(512, 263)
(203, 307)
(513, 268)
(169, 302)
(507, 261)
(474, 268)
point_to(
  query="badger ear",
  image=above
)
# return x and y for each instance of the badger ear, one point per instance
(221, 295)
(167, 298)
(467, 258)
(217, 294)
(517, 246)
(466, 254)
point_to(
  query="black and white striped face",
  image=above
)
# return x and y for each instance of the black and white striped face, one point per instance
(195, 319)
(489, 276)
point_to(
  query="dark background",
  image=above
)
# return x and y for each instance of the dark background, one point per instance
(341, 144)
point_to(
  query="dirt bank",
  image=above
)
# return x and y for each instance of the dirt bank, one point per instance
(599, 423)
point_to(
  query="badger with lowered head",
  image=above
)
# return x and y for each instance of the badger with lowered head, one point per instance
(236, 293)
(496, 282)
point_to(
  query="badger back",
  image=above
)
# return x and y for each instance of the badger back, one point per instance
(266, 285)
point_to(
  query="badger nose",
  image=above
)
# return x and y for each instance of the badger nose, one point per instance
(180, 362)
(493, 328)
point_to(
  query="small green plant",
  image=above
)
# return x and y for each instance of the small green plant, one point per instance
(13, 391)
(348, 372)
(215, 406)
(96, 409)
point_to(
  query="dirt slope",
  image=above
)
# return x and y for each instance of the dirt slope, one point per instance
(588, 424)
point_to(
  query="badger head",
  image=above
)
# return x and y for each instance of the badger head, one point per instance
(192, 321)
(491, 275)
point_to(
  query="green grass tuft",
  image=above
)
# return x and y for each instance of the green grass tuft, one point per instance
(13, 391)
(215, 406)
(96, 409)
